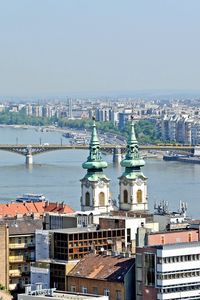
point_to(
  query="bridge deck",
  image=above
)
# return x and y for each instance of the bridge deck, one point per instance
(36, 149)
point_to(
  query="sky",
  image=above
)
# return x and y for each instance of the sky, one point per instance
(58, 47)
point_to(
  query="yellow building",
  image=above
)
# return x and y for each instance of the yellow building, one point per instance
(17, 251)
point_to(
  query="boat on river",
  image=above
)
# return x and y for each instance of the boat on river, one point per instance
(31, 198)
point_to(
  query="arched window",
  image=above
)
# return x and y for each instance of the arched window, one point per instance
(139, 196)
(101, 199)
(125, 196)
(87, 199)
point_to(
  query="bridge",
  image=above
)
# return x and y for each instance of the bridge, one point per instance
(30, 150)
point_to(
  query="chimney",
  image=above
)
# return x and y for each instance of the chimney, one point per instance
(27, 289)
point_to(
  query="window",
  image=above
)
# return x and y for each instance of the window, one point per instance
(19, 240)
(84, 290)
(139, 196)
(73, 288)
(87, 199)
(150, 269)
(125, 196)
(106, 292)
(118, 295)
(101, 199)
(95, 290)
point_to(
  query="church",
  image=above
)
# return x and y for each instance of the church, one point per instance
(95, 190)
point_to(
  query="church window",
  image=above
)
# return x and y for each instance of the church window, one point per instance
(87, 199)
(139, 196)
(101, 199)
(125, 196)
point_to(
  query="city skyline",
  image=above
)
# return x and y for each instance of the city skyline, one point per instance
(53, 48)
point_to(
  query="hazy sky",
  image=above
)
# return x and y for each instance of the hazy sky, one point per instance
(62, 46)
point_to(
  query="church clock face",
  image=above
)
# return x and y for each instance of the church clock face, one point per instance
(101, 184)
(139, 181)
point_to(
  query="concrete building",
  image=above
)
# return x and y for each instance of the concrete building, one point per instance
(123, 118)
(167, 263)
(130, 224)
(61, 249)
(170, 271)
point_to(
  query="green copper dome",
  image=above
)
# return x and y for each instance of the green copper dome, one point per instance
(94, 161)
(132, 160)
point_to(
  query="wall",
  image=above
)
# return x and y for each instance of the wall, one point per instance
(4, 266)
(172, 237)
(100, 284)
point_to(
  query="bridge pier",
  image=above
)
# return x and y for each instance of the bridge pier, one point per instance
(29, 159)
(117, 155)
(29, 156)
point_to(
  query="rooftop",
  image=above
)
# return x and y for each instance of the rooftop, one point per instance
(178, 246)
(27, 208)
(22, 226)
(103, 267)
(54, 295)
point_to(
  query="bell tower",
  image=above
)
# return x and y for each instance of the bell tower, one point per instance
(132, 183)
(95, 194)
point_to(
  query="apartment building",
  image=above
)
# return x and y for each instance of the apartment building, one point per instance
(17, 251)
(180, 128)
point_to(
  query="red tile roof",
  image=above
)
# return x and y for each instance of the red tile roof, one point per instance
(13, 209)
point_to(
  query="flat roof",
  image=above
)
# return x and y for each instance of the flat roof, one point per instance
(177, 245)
(81, 230)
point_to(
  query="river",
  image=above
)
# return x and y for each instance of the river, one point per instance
(57, 174)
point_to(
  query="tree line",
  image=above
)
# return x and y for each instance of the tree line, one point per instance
(145, 129)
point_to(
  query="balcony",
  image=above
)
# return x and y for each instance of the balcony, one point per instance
(14, 273)
(19, 258)
(18, 246)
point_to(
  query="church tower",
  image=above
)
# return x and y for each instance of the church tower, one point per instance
(95, 185)
(132, 183)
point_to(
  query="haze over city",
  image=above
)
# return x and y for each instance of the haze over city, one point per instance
(52, 48)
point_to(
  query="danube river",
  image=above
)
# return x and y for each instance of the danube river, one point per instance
(57, 174)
